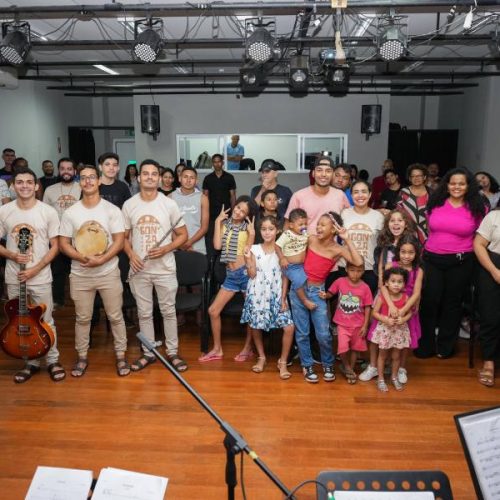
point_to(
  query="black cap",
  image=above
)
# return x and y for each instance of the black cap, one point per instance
(268, 165)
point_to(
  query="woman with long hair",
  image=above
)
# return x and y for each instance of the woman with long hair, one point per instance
(414, 198)
(455, 211)
(130, 177)
(489, 187)
(167, 181)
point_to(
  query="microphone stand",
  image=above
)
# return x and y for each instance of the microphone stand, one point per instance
(234, 443)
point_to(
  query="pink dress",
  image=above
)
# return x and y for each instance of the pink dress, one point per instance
(414, 321)
(388, 337)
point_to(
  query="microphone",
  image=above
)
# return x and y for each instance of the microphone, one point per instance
(148, 344)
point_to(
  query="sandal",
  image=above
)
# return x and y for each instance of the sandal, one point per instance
(122, 367)
(350, 376)
(25, 374)
(244, 356)
(80, 367)
(260, 365)
(180, 366)
(56, 372)
(486, 377)
(142, 362)
(282, 368)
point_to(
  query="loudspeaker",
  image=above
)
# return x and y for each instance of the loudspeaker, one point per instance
(371, 117)
(150, 119)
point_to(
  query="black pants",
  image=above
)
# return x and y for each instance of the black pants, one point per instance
(447, 278)
(489, 311)
(61, 267)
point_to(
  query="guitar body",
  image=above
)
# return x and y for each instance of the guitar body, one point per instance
(26, 336)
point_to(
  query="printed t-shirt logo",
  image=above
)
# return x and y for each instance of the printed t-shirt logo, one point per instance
(360, 235)
(149, 229)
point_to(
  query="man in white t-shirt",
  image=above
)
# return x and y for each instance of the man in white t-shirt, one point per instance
(149, 216)
(61, 196)
(91, 235)
(319, 198)
(42, 222)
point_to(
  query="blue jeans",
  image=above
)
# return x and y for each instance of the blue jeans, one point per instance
(319, 317)
(296, 275)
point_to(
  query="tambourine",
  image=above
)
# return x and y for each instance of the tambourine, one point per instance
(91, 239)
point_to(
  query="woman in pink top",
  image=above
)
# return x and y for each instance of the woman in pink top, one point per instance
(455, 210)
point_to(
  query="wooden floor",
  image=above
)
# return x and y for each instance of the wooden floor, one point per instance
(147, 422)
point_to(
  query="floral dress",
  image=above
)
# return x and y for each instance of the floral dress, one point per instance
(397, 336)
(262, 309)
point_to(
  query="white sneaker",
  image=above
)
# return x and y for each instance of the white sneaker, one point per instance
(368, 374)
(402, 376)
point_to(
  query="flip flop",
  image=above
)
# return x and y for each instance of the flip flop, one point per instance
(210, 356)
(486, 377)
(25, 374)
(244, 356)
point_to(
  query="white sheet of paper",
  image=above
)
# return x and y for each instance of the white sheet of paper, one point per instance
(56, 483)
(384, 495)
(482, 435)
(122, 484)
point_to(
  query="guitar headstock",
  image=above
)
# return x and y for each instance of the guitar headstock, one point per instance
(24, 241)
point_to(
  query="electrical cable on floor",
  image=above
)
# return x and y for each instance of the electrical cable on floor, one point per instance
(303, 483)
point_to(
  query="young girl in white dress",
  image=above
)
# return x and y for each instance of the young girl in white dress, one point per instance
(266, 307)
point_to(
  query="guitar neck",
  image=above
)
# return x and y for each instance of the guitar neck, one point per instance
(23, 295)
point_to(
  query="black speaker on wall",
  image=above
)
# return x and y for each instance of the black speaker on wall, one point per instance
(371, 117)
(150, 120)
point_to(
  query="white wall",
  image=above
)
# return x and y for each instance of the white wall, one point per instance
(32, 122)
(415, 112)
(267, 113)
(477, 115)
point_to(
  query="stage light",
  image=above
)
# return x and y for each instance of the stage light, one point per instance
(337, 79)
(260, 46)
(252, 78)
(16, 42)
(392, 43)
(299, 73)
(148, 42)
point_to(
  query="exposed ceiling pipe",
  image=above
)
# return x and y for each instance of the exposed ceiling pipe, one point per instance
(191, 64)
(227, 43)
(230, 9)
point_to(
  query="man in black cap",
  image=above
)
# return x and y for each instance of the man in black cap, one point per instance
(269, 180)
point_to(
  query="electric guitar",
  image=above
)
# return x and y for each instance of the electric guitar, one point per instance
(26, 335)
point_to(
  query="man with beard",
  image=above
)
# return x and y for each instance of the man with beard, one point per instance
(319, 198)
(61, 196)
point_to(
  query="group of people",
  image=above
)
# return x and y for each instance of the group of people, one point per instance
(394, 275)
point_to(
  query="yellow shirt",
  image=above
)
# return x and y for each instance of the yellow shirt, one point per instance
(242, 241)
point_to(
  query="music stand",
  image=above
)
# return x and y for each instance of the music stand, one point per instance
(380, 480)
(479, 433)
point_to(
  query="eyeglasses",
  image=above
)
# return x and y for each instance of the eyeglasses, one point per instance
(91, 177)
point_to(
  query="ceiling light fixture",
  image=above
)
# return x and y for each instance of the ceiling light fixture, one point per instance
(392, 43)
(260, 44)
(106, 69)
(299, 74)
(252, 79)
(148, 42)
(337, 79)
(16, 42)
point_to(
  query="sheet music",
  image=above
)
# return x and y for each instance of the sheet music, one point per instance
(56, 483)
(126, 485)
(384, 495)
(482, 435)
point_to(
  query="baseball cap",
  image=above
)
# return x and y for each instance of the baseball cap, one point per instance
(268, 165)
